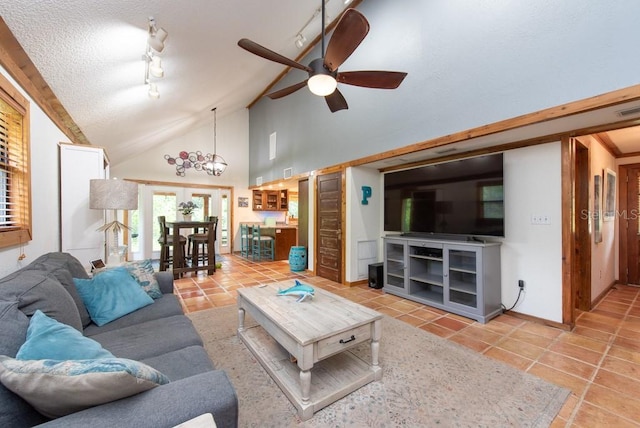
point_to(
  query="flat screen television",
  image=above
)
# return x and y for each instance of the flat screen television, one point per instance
(462, 197)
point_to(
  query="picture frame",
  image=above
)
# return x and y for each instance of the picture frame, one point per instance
(609, 195)
(597, 208)
(243, 202)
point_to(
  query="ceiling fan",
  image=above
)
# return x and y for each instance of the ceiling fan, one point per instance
(323, 72)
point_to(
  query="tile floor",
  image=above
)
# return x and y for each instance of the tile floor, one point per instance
(599, 361)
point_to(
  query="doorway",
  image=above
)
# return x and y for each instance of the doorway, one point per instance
(157, 200)
(629, 223)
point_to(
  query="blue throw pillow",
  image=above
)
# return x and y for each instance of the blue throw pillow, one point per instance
(48, 339)
(142, 271)
(111, 295)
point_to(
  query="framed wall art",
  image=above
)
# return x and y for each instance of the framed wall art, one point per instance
(243, 202)
(609, 195)
(597, 208)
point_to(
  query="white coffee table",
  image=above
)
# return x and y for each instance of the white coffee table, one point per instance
(297, 340)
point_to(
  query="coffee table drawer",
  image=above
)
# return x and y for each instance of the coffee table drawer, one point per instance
(332, 345)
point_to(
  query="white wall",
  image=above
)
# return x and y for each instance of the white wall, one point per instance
(533, 253)
(232, 142)
(45, 136)
(364, 222)
(604, 266)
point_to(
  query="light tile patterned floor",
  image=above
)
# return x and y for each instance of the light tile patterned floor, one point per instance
(599, 361)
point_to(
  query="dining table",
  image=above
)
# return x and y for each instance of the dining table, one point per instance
(180, 264)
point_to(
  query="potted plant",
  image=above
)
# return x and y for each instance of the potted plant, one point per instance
(187, 209)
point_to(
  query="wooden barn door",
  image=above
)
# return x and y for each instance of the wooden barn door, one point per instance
(329, 226)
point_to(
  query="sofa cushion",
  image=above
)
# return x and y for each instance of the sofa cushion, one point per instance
(166, 306)
(151, 338)
(34, 289)
(14, 411)
(65, 278)
(57, 388)
(64, 267)
(181, 363)
(51, 261)
(52, 340)
(111, 294)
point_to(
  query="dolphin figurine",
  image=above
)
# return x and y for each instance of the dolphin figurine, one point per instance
(301, 290)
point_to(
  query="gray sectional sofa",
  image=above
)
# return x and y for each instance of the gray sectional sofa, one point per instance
(158, 335)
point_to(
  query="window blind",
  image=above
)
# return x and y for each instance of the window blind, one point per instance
(13, 169)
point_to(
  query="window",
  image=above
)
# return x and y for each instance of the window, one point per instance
(491, 201)
(164, 203)
(15, 178)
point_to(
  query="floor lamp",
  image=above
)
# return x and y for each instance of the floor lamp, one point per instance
(113, 195)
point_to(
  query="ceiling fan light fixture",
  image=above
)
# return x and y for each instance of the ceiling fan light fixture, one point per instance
(322, 84)
(321, 81)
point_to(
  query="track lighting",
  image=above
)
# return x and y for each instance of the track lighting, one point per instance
(153, 91)
(153, 63)
(156, 67)
(157, 36)
(300, 40)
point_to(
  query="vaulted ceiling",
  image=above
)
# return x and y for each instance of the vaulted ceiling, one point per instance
(90, 54)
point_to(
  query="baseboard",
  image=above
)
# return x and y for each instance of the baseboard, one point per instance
(356, 283)
(603, 294)
(537, 320)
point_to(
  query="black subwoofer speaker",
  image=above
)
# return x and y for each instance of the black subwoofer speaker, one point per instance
(376, 275)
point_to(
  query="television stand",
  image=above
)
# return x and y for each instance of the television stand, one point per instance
(462, 277)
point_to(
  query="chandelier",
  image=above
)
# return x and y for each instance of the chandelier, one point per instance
(217, 164)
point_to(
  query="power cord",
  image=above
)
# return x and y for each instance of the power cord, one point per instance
(504, 309)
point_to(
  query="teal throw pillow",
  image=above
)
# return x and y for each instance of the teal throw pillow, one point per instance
(111, 295)
(142, 271)
(48, 339)
(58, 388)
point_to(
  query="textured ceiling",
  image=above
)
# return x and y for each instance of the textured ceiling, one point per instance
(90, 54)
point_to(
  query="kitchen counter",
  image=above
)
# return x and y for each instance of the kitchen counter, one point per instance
(285, 236)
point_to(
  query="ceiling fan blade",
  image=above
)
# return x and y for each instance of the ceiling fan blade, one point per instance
(265, 53)
(349, 33)
(336, 101)
(372, 79)
(288, 90)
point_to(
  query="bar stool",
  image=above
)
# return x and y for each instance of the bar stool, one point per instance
(263, 246)
(166, 244)
(245, 240)
(197, 240)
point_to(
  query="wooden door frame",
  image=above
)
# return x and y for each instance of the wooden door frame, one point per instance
(623, 244)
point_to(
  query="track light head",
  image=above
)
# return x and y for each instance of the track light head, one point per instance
(157, 36)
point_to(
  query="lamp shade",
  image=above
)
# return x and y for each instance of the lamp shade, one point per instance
(113, 194)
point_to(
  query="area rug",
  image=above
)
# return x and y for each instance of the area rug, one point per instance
(427, 381)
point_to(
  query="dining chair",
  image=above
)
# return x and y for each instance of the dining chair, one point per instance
(245, 240)
(166, 244)
(262, 245)
(198, 244)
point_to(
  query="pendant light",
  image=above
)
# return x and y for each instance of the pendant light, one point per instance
(217, 164)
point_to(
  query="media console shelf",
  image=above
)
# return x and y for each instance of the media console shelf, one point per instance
(462, 277)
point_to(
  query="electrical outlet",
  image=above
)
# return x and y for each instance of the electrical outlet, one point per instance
(540, 219)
